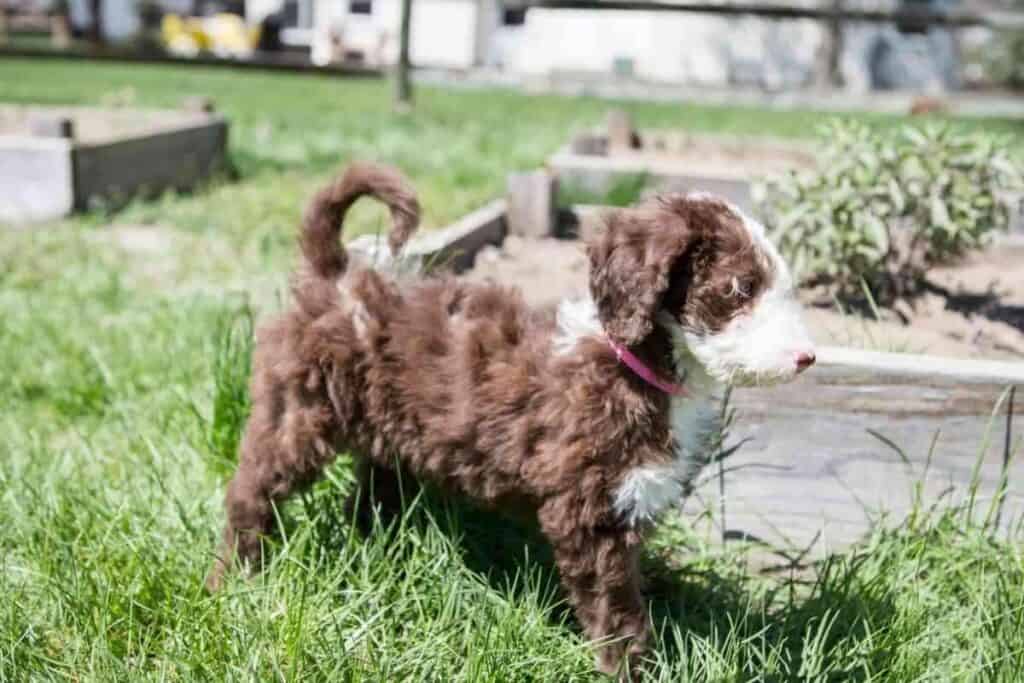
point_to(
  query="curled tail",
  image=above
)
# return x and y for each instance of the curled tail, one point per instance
(321, 225)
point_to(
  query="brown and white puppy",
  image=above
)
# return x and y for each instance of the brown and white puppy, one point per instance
(577, 417)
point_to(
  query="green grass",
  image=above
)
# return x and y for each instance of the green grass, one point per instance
(124, 346)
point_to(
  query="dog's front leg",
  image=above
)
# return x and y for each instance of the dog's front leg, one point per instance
(599, 570)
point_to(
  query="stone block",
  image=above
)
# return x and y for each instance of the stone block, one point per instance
(35, 179)
(622, 135)
(532, 203)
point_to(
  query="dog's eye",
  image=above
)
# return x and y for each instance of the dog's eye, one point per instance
(741, 286)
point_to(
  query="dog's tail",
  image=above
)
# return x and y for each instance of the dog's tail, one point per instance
(321, 225)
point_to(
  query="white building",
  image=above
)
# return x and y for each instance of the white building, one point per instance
(460, 34)
(666, 47)
(445, 33)
(120, 17)
(662, 47)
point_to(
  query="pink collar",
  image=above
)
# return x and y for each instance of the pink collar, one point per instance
(645, 373)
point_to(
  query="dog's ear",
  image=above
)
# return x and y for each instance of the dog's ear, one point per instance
(631, 264)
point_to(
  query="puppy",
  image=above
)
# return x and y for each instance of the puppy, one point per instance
(594, 419)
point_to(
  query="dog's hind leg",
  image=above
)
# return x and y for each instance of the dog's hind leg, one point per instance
(282, 451)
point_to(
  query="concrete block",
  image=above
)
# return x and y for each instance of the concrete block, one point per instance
(54, 160)
(35, 179)
(532, 203)
(622, 135)
(52, 127)
(591, 144)
(1017, 215)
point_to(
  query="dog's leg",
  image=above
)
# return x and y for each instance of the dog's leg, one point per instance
(277, 457)
(599, 570)
(249, 518)
(379, 492)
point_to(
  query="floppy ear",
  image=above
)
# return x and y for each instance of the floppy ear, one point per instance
(631, 262)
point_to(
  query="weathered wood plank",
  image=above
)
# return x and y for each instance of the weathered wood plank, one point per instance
(922, 369)
(115, 171)
(814, 463)
(454, 247)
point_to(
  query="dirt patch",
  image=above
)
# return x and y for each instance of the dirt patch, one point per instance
(546, 270)
(975, 309)
(722, 156)
(714, 155)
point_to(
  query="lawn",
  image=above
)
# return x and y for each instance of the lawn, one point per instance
(124, 341)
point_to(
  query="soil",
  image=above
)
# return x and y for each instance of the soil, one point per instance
(717, 156)
(973, 309)
(96, 125)
(714, 155)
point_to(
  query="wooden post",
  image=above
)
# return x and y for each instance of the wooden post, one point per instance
(532, 207)
(60, 28)
(403, 85)
(622, 136)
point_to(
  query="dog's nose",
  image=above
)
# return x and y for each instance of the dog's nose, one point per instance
(804, 360)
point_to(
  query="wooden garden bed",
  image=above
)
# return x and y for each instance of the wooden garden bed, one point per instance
(54, 160)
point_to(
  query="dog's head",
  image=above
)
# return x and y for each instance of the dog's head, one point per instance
(706, 272)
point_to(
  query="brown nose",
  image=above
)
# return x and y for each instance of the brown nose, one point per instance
(804, 360)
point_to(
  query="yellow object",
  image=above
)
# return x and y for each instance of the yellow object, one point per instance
(225, 35)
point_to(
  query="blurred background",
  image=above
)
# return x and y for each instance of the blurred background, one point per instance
(863, 523)
(862, 46)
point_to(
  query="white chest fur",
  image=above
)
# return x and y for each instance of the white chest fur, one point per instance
(646, 490)
(694, 421)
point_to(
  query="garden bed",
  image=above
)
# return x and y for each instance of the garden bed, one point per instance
(595, 165)
(617, 164)
(54, 160)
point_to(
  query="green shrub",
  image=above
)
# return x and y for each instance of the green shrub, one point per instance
(883, 208)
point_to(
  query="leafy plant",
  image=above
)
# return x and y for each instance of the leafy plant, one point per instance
(883, 208)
